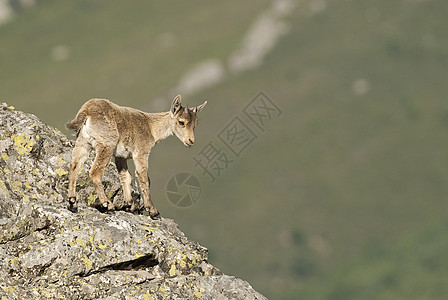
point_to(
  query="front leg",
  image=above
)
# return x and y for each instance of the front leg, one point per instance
(102, 158)
(141, 170)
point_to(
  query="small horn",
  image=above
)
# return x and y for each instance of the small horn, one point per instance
(195, 109)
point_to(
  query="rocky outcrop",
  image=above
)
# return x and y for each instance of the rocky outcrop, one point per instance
(48, 252)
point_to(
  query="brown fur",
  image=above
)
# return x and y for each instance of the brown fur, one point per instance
(124, 133)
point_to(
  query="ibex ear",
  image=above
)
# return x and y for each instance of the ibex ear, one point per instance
(175, 106)
(198, 108)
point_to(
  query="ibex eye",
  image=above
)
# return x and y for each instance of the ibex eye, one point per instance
(181, 123)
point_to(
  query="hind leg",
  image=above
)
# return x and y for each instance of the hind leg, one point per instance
(125, 179)
(102, 158)
(79, 156)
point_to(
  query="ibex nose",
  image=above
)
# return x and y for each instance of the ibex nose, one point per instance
(191, 141)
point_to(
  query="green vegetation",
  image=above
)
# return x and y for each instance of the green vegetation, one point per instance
(341, 197)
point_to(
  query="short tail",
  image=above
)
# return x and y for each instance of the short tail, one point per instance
(76, 123)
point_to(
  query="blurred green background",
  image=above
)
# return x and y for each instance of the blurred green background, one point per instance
(342, 196)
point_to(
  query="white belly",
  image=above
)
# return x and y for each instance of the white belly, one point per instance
(122, 151)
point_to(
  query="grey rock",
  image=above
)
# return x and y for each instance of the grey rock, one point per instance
(48, 252)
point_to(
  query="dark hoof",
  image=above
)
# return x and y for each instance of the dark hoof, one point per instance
(72, 205)
(155, 216)
(103, 209)
(131, 210)
(72, 208)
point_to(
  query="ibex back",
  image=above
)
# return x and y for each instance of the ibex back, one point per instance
(125, 133)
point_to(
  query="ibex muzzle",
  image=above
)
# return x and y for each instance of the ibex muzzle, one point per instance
(125, 133)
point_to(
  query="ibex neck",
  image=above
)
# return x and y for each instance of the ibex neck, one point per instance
(160, 124)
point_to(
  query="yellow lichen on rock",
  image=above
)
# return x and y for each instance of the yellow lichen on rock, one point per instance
(149, 227)
(25, 198)
(173, 271)
(9, 289)
(198, 294)
(45, 293)
(23, 143)
(148, 296)
(79, 242)
(61, 162)
(92, 242)
(91, 199)
(61, 172)
(88, 262)
(16, 186)
(14, 261)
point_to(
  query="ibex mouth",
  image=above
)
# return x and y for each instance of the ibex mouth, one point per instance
(188, 143)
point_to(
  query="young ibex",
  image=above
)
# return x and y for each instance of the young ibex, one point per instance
(125, 133)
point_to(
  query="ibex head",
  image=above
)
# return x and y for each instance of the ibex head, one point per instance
(184, 120)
